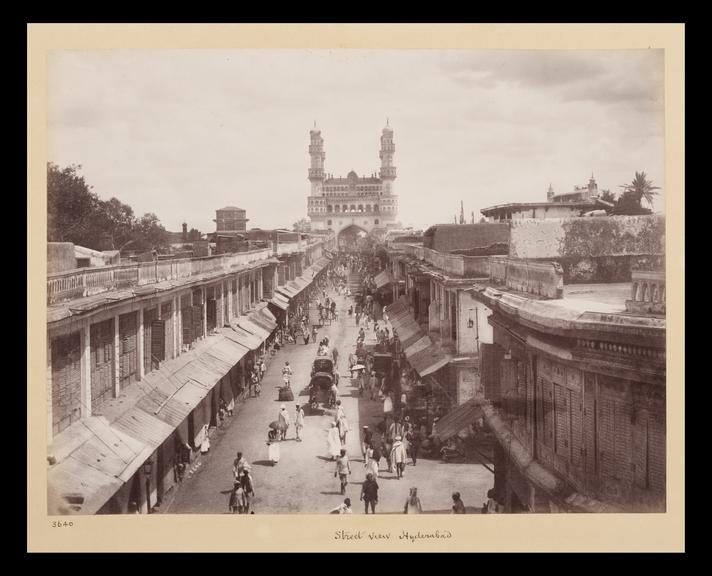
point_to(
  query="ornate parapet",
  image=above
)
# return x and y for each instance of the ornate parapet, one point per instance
(647, 292)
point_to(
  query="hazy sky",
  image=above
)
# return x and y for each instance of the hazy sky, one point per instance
(184, 132)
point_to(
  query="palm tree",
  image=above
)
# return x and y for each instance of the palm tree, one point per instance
(641, 188)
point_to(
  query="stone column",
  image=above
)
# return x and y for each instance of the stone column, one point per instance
(175, 319)
(85, 368)
(141, 365)
(205, 310)
(49, 390)
(117, 350)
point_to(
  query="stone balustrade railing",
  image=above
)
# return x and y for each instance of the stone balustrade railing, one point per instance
(87, 281)
(647, 292)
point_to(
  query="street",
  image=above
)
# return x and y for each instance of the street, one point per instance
(303, 480)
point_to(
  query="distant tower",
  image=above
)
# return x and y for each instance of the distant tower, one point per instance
(592, 187)
(473, 217)
(185, 232)
(316, 151)
(550, 193)
(388, 148)
(462, 212)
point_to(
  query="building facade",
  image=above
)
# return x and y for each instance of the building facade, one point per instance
(139, 358)
(355, 203)
(581, 200)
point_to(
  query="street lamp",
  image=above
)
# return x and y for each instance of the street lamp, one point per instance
(147, 471)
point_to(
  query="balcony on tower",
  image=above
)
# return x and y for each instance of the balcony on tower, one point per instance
(388, 147)
(315, 148)
(388, 172)
(316, 173)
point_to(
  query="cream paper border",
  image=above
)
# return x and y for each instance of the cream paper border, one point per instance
(534, 532)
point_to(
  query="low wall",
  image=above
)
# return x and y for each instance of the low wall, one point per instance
(544, 279)
(60, 257)
(588, 237)
(592, 250)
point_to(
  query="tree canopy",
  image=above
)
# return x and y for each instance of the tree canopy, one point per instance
(630, 202)
(76, 214)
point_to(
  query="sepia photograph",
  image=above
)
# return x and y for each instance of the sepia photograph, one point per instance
(380, 281)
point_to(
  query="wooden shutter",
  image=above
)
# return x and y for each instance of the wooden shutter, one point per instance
(589, 423)
(197, 322)
(158, 344)
(187, 324)
(640, 449)
(211, 314)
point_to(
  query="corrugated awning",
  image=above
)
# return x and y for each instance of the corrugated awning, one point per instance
(383, 278)
(264, 319)
(101, 453)
(286, 291)
(458, 419)
(243, 337)
(248, 326)
(281, 302)
(428, 360)
(401, 320)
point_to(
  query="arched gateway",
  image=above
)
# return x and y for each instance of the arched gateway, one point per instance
(364, 202)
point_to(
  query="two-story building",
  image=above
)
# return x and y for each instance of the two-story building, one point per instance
(139, 357)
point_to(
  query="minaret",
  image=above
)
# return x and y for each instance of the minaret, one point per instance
(550, 193)
(462, 213)
(592, 187)
(388, 148)
(316, 151)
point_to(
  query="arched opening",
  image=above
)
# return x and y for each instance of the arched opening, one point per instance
(329, 208)
(360, 207)
(348, 237)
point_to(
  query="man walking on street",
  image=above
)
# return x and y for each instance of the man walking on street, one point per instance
(284, 421)
(299, 422)
(343, 469)
(366, 440)
(369, 493)
(398, 456)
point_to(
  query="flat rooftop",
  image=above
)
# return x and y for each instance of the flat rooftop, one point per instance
(604, 298)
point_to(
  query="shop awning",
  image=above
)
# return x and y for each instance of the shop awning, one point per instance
(264, 319)
(383, 279)
(287, 291)
(243, 337)
(421, 344)
(428, 360)
(399, 316)
(458, 419)
(281, 302)
(246, 324)
(99, 454)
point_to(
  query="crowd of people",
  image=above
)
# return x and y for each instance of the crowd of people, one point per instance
(386, 448)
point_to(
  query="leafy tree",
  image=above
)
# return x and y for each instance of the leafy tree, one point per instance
(302, 225)
(630, 200)
(118, 224)
(608, 196)
(194, 235)
(149, 234)
(72, 208)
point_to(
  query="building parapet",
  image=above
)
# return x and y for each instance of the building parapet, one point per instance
(89, 281)
(452, 264)
(540, 278)
(648, 292)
